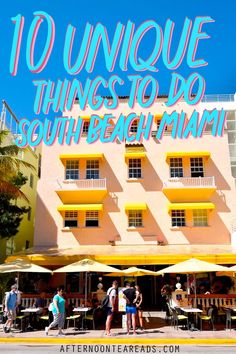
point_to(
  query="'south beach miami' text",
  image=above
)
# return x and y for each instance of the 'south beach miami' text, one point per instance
(121, 50)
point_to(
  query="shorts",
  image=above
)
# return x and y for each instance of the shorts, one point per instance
(109, 311)
(131, 309)
(11, 314)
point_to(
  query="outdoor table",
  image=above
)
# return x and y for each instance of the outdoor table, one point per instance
(83, 311)
(31, 310)
(194, 311)
(233, 308)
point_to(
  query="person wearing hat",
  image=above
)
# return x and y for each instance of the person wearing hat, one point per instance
(10, 308)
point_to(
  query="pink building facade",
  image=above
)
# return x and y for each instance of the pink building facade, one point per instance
(153, 202)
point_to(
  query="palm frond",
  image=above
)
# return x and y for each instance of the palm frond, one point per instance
(4, 159)
(3, 135)
(9, 150)
(10, 189)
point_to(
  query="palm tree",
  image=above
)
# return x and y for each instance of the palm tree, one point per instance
(9, 166)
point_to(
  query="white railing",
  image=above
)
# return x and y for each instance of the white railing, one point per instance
(190, 182)
(29, 302)
(218, 98)
(217, 301)
(83, 184)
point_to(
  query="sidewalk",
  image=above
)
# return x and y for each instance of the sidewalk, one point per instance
(162, 335)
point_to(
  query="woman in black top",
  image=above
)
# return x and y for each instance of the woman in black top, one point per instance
(139, 306)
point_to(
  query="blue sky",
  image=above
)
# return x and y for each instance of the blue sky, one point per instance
(219, 51)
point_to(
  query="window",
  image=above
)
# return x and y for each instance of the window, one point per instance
(91, 219)
(135, 170)
(196, 164)
(27, 244)
(92, 169)
(135, 218)
(178, 218)
(29, 214)
(72, 169)
(176, 167)
(85, 127)
(71, 219)
(200, 217)
(31, 180)
(39, 165)
(134, 126)
(10, 246)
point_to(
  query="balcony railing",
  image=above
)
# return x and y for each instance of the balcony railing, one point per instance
(83, 184)
(134, 148)
(190, 182)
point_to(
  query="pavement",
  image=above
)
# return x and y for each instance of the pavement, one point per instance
(159, 333)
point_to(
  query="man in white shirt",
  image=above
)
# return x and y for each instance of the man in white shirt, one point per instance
(112, 292)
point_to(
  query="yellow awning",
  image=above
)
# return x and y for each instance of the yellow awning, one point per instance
(85, 117)
(135, 206)
(205, 154)
(128, 254)
(70, 207)
(157, 117)
(190, 206)
(81, 156)
(135, 155)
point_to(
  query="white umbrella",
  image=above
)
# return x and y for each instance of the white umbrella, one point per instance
(192, 266)
(22, 266)
(133, 271)
(86, 265)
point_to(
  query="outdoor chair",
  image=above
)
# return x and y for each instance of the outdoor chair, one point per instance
(229, 318)
(1, 316)
(72, 318)
(170, 315)
(22, 320)
(92, 317)
(177, 317)
(210, 317)
(44, 320)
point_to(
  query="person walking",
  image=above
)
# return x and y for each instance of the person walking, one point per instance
(139, 306)
(58, 311)
(10, 308)
(131, 310)
(111, 307)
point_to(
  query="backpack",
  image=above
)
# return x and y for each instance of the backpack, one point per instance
(105, 300)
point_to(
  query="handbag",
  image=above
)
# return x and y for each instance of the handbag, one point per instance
(51, 306)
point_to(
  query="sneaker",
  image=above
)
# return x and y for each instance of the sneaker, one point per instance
(46, 331)
(5, 329)
(141, 329)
